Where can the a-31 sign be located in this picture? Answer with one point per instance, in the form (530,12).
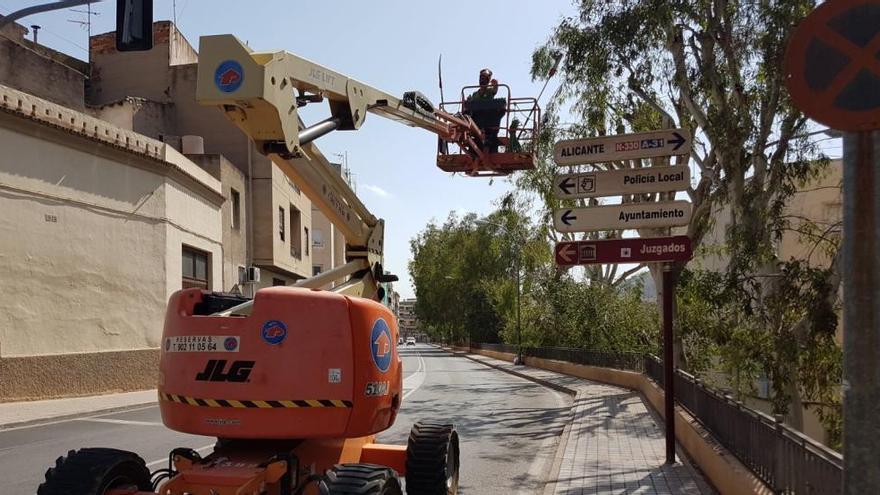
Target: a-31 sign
(667,142)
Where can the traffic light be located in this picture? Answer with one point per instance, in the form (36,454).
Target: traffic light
(134,25)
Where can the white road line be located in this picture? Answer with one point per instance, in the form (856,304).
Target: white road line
(414,381)
(120,421)
(68,420)
(165,459)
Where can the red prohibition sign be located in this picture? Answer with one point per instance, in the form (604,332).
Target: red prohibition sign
(832,65)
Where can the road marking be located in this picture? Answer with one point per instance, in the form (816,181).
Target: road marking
(120,421)
(415,380)
(165,459)
(69,419)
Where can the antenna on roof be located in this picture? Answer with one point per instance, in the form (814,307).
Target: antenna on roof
(88,22)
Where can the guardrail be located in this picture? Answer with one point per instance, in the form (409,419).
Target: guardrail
(785,459)
(631,361)
(508,348)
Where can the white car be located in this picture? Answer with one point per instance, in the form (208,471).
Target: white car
(410,341)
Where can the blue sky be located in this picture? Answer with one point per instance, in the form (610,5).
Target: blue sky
(390,44)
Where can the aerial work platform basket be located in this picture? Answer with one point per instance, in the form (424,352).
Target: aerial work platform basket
(500,138)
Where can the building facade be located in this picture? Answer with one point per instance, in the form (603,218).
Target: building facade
(117,189)
(407,320)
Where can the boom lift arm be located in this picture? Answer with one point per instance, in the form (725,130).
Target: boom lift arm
(261,91)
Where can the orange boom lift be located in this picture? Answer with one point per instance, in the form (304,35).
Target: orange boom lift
(296,382)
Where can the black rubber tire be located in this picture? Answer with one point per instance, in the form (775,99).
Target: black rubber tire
(359,479)
(432,459)
(93,471)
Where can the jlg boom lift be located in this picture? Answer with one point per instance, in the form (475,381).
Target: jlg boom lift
(296,382)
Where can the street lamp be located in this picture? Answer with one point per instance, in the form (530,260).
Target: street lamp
(517,264)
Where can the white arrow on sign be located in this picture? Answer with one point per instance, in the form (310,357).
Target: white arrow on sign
(623,217)
(568,253)
(651,144)
(623,181)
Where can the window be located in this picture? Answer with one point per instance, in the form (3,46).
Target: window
(306,230)
(317,238)
(281,223)
(317,269)
(236,209)
(196,266)
(295,229)
(276,282)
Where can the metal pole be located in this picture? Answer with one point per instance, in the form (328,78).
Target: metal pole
(861,303)
(519,358)
(45,7)
(668,364)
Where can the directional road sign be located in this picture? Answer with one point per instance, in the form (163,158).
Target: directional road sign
(667,142)
(832,65)
(622,217)
(635,250)
(623,181)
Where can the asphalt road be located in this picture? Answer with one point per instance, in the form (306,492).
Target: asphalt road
(508,427)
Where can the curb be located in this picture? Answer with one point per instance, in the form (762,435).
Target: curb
(67,417)
(544,383)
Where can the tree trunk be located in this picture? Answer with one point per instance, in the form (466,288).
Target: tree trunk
(678,356)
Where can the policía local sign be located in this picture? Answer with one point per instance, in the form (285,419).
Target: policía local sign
(623,181)
(636,250)
(622,217)
(667,142)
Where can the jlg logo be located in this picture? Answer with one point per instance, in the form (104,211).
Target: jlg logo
(239,371)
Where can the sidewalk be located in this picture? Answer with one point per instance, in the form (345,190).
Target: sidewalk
(23,413)
(615,444)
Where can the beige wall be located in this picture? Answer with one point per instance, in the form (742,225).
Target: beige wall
(91,240)
(273,190)
(234,239)
(331,253)
(27,70)
(821,202)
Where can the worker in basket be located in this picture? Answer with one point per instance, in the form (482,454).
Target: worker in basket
(486,110)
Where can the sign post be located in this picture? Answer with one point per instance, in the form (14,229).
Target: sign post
(623,217)
(668,367)
(833,75)
(622,181)
(668,142)
(629,216)
(630,250)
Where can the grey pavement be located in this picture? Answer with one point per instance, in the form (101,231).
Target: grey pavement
(615,443)
(509,427)
(14,414)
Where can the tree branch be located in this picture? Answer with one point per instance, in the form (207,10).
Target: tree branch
(625,275)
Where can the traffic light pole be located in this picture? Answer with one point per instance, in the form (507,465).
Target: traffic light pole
(861,303)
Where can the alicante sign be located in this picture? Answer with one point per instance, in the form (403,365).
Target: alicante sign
(667,142)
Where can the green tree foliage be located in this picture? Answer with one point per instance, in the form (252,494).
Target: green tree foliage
(714,67)
(465,275)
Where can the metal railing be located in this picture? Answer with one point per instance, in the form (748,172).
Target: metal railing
(508,348)
(785,459)
(630,361)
